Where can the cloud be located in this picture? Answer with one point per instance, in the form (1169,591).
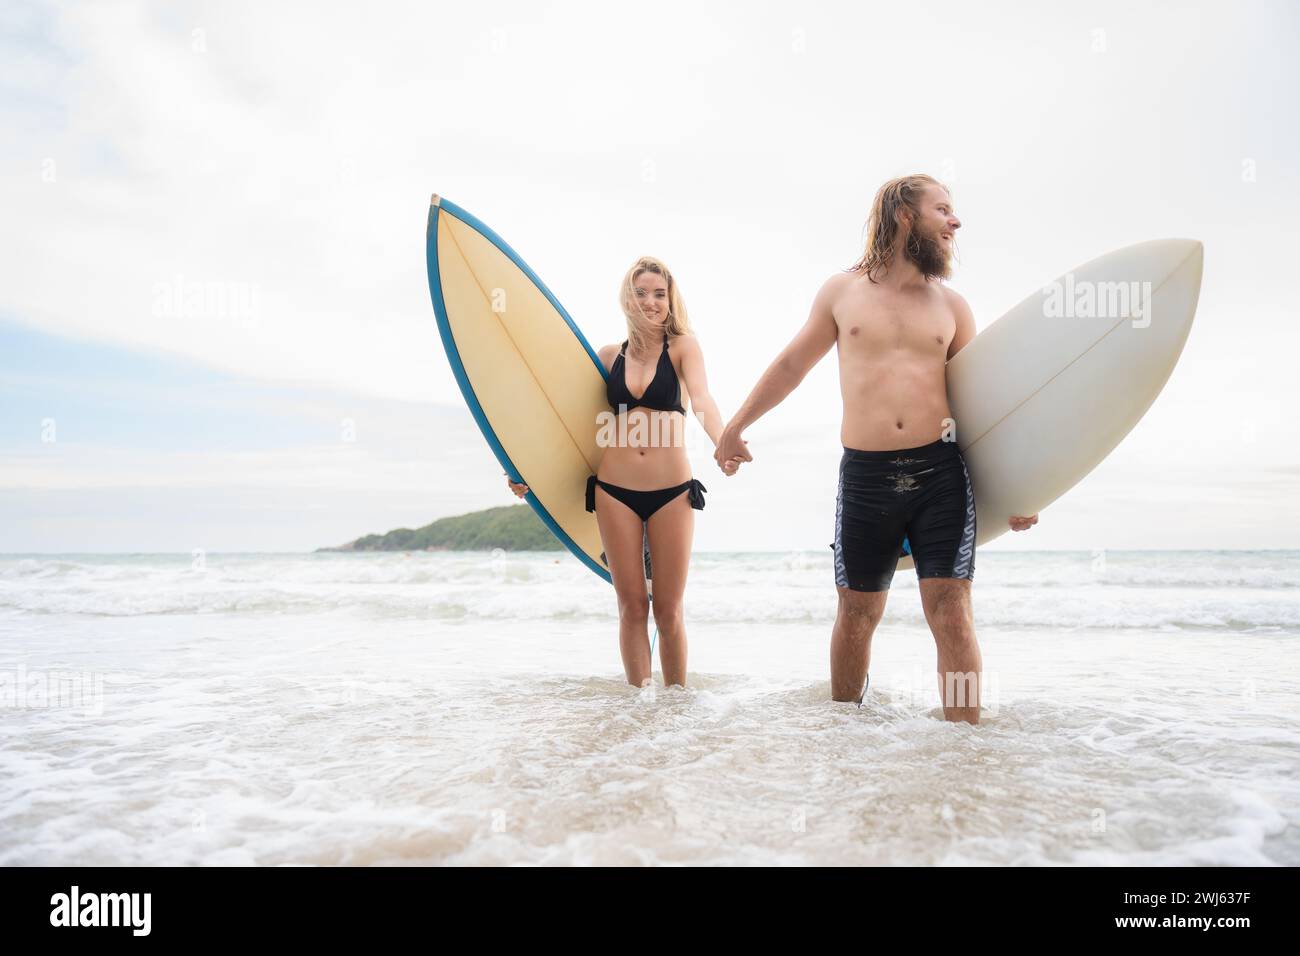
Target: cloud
(273,164)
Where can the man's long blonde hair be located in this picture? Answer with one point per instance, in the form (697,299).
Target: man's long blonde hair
(883,224)
(639,333)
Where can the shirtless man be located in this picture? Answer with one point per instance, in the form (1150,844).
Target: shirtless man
(902,477)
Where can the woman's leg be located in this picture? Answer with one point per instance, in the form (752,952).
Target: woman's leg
(621,535)
(671,529)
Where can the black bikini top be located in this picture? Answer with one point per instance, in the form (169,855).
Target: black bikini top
(663,394)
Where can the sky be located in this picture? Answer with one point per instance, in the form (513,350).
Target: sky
(215,328)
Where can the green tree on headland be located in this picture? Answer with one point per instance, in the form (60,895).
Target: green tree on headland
(510,527)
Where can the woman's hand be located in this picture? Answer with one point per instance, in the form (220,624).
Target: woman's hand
(1023,522)
(729,468)
(518,488)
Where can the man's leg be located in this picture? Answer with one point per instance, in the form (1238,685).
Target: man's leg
(942,536)
(855,621)
(947,607)
(869,528)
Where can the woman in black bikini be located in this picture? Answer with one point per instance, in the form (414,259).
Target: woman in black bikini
(644,483)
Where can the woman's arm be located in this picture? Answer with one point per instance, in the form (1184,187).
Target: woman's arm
(697,384)
(702,403)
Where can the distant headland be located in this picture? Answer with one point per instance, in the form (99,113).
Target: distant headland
(510,528)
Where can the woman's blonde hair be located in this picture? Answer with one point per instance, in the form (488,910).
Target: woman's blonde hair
(638,332)
(883,224)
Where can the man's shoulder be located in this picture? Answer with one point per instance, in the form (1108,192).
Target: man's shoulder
(840,280)
(951,294)
(835,286)
(831,294)
(961,314)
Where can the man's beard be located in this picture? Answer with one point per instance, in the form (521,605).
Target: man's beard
(928,255)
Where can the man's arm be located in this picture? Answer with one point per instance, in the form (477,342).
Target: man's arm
(805,350)
(965,323)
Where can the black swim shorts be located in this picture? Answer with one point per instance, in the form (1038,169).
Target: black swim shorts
(914,501)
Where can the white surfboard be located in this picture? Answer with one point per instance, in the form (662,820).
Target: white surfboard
(1046,392)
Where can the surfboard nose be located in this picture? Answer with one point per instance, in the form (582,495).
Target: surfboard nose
(1184,268)
(1197,254)
(1184,249)
(1155,261)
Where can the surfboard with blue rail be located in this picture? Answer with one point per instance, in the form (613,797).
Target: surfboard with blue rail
(528,375)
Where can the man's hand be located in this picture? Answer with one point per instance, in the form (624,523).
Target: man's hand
(731,448)
(1021,523)
(519,489)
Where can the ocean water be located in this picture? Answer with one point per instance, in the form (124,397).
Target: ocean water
(457,708)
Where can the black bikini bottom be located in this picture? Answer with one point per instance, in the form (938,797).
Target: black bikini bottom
(646,503)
